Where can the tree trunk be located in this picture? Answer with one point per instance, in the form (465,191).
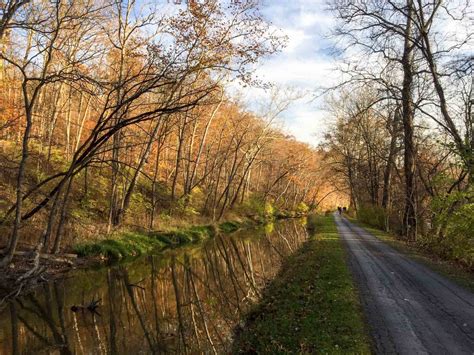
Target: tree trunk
(408,113)
(143,159)
(20,179)
(387,176)
(180,141)
(59,232)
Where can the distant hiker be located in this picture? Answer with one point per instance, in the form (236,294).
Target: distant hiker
(344,209)
(339,210)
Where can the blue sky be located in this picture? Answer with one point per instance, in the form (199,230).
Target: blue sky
(305,64)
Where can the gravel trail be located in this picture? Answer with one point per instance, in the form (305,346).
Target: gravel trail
(410,308)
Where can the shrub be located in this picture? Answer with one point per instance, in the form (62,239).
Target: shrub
(453,233)
(460,235)
(256,207)
(373,215)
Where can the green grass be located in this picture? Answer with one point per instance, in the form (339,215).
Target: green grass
(127,245)
(312,306)
(133,244)
(449,269)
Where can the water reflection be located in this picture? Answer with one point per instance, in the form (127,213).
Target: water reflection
(183,301)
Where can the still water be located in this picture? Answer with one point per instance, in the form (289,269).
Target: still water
(182,301)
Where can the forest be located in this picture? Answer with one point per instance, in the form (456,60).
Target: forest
(116,115)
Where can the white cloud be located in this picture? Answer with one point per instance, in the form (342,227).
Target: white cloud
(295,39)
(306,123)
(309,73)
(303,65)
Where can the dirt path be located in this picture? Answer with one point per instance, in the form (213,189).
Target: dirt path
(410,308)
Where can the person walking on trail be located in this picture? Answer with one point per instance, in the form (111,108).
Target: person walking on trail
(339,210)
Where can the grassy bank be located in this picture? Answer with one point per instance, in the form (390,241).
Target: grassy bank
(130,244)
(450,269)
(312,305)
(136,243)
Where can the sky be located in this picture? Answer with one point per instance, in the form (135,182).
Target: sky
(305,65)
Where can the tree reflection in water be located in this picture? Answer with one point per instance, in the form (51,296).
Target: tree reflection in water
(181,301)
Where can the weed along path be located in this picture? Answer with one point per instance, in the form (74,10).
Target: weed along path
(410,308)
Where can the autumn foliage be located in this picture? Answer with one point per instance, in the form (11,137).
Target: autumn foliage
(116,113)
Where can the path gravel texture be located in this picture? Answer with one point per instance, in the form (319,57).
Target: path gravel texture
(410,308)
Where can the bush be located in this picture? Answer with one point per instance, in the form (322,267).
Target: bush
(456,240)
(191,204)
(373,215)
(460,235)
(256,207)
